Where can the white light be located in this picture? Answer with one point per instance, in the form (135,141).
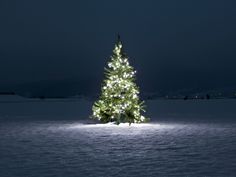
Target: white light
(142,118)
(111,129)
(112,125)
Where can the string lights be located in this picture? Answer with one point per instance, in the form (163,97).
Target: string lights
(119,100)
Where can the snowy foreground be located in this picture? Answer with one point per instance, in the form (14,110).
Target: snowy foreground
(55,138)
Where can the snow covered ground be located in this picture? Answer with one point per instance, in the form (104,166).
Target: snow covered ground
(42,138)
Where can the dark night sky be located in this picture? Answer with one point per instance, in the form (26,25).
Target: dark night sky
(172,44)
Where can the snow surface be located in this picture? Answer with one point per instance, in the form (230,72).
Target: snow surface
(42,138)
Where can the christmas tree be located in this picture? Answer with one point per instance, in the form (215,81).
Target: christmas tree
(119,101)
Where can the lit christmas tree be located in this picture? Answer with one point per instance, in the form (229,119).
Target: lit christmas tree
(119,101)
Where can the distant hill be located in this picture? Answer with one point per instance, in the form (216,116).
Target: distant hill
(91,90)
(55,89)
